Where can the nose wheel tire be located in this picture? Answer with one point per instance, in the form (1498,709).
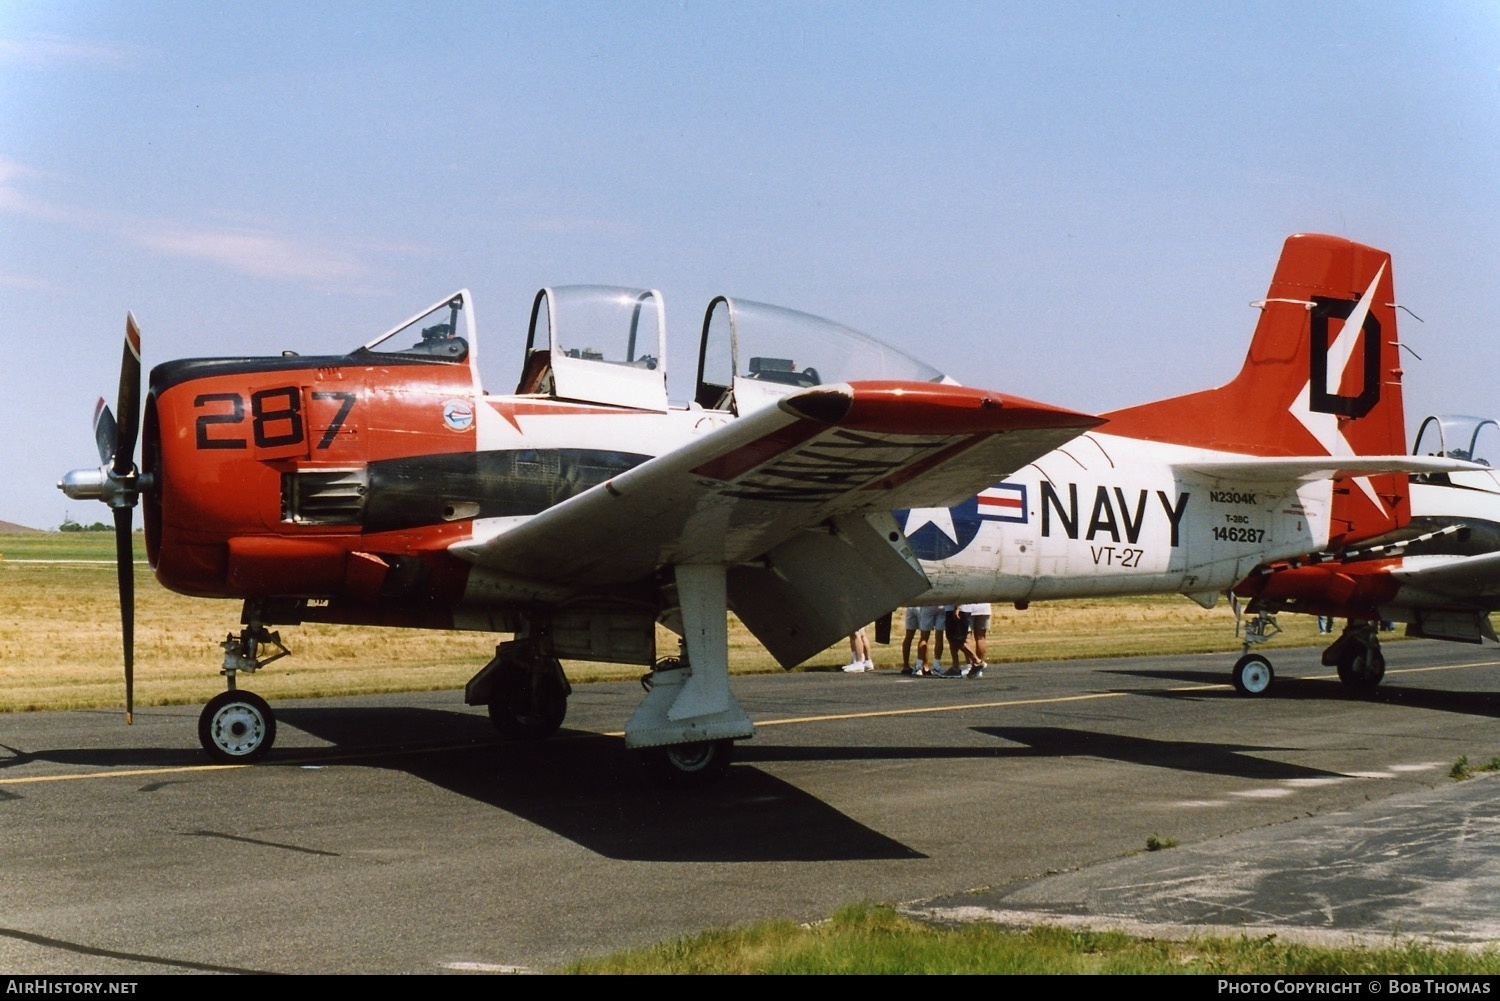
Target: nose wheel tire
(237,727)
(1252,674)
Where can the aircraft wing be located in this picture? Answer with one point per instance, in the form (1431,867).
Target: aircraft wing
(793,498)
(1283,469)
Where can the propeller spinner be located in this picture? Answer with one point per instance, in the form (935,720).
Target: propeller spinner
(119,483)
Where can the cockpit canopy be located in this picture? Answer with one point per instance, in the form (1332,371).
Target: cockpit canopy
(597,344)
(604,344)
(751,354)
(443,331)
(1456,436)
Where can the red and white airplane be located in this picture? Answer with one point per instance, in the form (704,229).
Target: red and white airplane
(1301,451)
(386,487)
(1440,574)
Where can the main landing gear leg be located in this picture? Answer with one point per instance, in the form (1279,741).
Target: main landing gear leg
(238,727)
(525,688)
(1252,673)
(688,722)
(1357,656)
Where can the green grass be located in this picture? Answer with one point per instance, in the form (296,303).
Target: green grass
(60,647)
(873,939)
(64,546)
(1463,770)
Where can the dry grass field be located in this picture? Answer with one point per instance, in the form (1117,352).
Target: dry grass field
(60,644)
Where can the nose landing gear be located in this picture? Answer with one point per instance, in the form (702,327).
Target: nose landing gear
(1252,673)
(238,727)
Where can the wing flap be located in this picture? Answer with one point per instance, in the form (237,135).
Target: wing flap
(798,599)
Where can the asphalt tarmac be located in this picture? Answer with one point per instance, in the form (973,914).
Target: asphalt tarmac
(396,834)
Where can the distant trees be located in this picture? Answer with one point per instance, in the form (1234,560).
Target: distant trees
(69,525)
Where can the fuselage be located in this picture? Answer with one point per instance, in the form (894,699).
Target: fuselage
(1114,515)
(298,477)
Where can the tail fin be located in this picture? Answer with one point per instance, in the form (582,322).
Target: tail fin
(1323,377)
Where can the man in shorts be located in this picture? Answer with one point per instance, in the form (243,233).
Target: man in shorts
(921,620)
(979,627)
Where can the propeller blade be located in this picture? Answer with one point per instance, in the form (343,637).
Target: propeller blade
(125,570)
(105,432)
(129,399)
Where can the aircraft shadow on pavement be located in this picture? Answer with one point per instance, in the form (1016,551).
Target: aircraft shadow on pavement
(1236,760)
(840,752)
(1468,703)
(582,786)
(1391,691)
(1200,676)
(589,789)
(104,757)
(1216,685)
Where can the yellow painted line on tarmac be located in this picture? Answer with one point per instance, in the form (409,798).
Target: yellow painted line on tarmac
(318,760)
(1438,667)
(786,721)
(923,710)
(1055,700)
(874,714)
(131,774)
(281,763)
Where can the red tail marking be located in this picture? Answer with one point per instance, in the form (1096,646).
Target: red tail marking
(1290,397)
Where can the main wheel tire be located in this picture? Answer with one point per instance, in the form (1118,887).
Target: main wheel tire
(527,707)
(692,765)
(1253,674)
(1362,671)
(237,727)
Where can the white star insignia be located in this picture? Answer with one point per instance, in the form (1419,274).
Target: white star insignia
(938,516)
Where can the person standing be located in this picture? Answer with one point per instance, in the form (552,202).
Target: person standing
(906,641)
(979,628)
(956,631)
(929,618)
(859,653)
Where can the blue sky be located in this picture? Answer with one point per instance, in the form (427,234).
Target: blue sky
(1072,202)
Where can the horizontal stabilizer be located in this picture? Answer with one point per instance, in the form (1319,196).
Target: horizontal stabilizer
(1323,467)
(1465,579)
